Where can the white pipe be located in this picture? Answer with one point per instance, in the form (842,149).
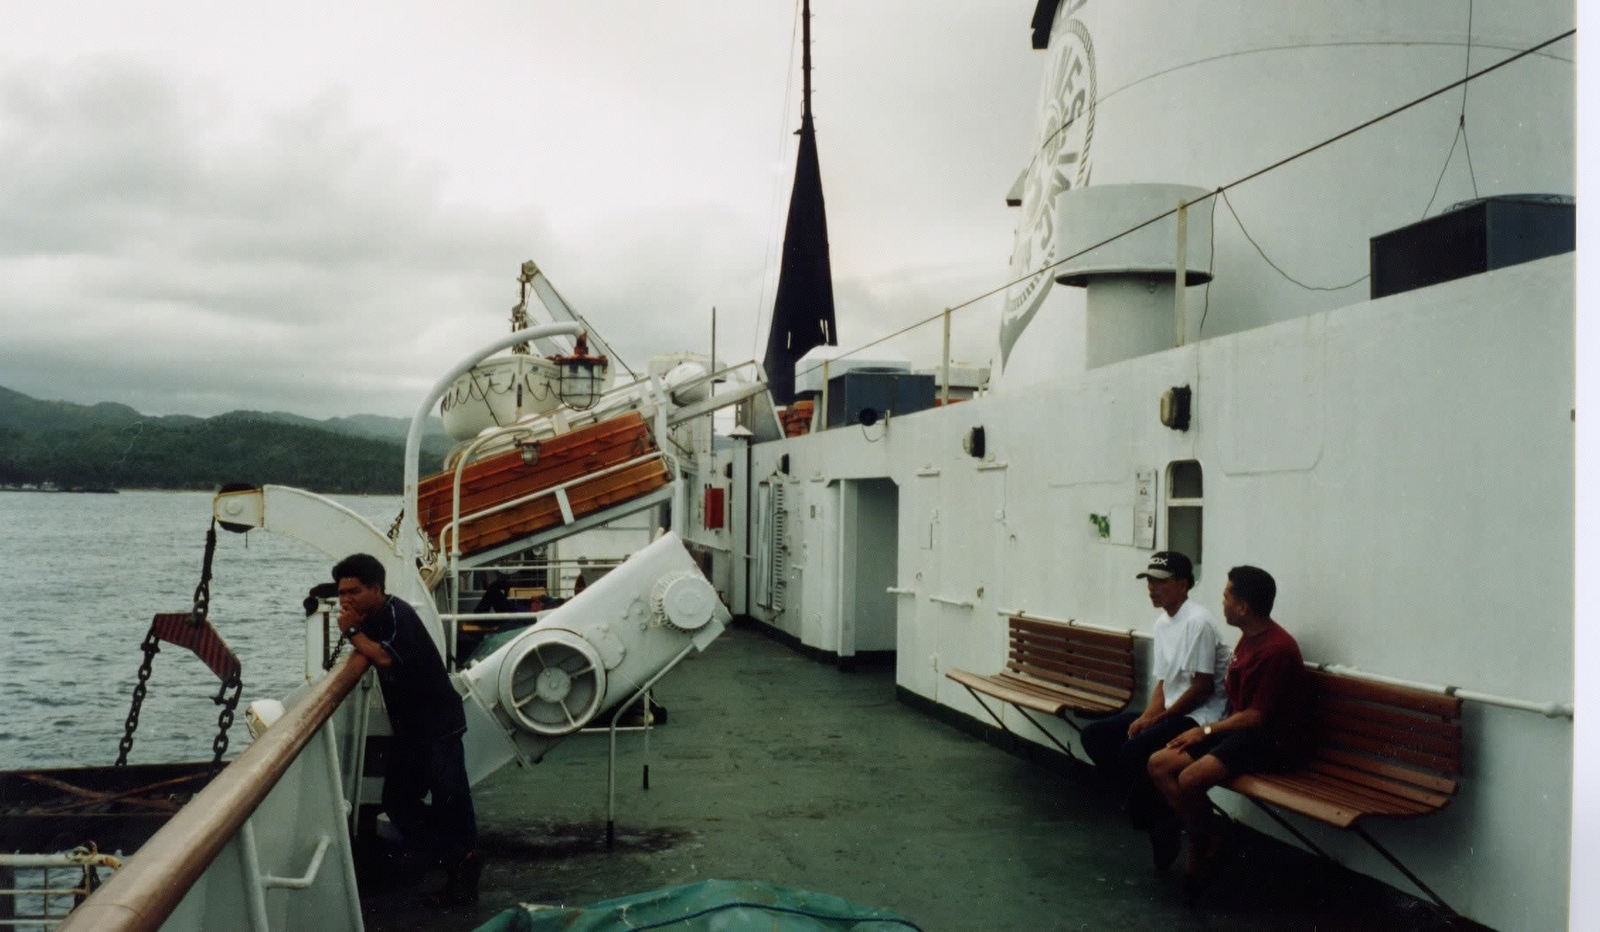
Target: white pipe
(958,603)
(409,528)
(250,866)
(1180,323)
(1547,709)
(944,390)
(305,880)
(347,857)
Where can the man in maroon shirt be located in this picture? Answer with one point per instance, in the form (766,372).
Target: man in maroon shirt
(1262,729)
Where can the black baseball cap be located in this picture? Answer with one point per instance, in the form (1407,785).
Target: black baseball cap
(1166,564)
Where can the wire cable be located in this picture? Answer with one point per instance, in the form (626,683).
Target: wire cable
(1229,204)
(1473,176)
(1211,268)
(773,236)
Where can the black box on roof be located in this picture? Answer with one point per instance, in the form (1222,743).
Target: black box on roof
(874,392)
(1476,236)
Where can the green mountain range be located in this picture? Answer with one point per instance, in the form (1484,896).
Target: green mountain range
(109,445)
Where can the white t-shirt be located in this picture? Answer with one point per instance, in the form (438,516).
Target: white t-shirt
(1187,643)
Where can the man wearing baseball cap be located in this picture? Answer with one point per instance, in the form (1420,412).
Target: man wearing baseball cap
(1264,728)
(1187,666)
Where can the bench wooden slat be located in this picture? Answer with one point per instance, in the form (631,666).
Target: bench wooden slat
(1307,792)
(1380,789)
(1446,763)
(1333,802)
(1073,686)
(1109,645)
(1419,778)
(1270,789)
(1336,707)
(1069,650)
(1056,668)
(1084,702)
(1353,797)
(1042,664)
(1416,700)
(1051,701)
(1075,633)
(1394,741)
(1006,692)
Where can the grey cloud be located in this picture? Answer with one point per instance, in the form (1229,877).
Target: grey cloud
(183,254)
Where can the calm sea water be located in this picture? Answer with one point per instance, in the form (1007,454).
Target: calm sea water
(81,576)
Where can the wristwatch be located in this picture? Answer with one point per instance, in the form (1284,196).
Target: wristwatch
(1206,731)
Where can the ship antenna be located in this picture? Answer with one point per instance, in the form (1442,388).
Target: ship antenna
(805,65)
(802,308)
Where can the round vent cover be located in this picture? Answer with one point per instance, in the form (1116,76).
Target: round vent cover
(683,600)
(553,682)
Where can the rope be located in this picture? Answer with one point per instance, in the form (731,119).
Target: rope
(1252,240)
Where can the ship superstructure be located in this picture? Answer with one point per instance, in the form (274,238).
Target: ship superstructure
(1291,287)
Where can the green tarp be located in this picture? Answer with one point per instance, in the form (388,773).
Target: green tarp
(707,906)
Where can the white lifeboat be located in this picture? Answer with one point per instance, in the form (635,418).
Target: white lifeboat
(503,390)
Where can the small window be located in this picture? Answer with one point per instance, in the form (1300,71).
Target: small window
(1184,510)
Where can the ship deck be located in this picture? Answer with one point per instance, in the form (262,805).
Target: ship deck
(772,766)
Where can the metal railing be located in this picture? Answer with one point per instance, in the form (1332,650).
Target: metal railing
(143,894)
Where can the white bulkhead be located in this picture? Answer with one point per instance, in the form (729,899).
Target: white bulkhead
(1402,465)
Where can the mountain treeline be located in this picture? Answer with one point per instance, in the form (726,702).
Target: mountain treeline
(112,446)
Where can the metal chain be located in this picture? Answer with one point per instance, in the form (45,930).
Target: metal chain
(202,592)
(338,648)
(394,529)
(151,646)
(225,719)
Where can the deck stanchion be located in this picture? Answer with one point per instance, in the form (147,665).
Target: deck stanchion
(944,389)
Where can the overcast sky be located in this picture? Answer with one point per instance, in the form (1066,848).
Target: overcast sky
(321,207)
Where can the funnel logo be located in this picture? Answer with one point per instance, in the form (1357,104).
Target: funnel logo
(1060,163)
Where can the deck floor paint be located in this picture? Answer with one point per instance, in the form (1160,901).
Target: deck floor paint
(775,767)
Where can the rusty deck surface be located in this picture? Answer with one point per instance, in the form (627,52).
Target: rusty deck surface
(776,767)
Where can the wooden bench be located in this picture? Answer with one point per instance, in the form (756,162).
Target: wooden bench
(1057,669)
(1378,750)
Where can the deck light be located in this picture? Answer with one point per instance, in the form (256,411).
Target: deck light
(582,376)
(973,443)
(1175,407)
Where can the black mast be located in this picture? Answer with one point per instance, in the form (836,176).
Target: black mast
(802,310)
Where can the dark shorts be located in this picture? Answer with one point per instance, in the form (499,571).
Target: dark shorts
(1249,751)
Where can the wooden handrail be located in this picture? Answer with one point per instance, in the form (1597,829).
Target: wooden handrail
(151,884)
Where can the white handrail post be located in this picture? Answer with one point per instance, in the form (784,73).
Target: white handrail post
(821,418)
(944,391)
(1180,322)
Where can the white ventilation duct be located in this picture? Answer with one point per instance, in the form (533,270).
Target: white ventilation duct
(1130,307)
(590,655)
